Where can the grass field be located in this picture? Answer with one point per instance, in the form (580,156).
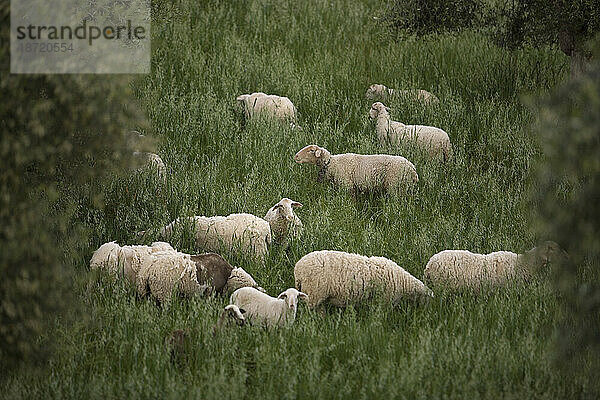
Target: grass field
(322,55)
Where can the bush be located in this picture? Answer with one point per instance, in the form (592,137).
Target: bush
(421,17)
(566,197)
(59,133)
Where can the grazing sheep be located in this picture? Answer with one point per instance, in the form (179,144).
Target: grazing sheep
(434,140)
(214,271)
(342,279)
(169,272)
(272,106)
(263,309)
(230,314)
(239,279)
(380,92)
(152,161)
(360,172)
(284,223)
(245,233)
(125,260)
(461,269)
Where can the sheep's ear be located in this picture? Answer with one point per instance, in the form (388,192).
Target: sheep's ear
(295,204)
(303,296)
(283,295)
(318,153)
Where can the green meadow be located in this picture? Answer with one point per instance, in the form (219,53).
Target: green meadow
(322,55)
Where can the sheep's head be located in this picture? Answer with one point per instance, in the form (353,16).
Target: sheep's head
(161,246)
(312,154)
(284,208)
(538,258)
(375,91)
(378,109)
(105,256)
(291,296)
(239,279)
(235,313)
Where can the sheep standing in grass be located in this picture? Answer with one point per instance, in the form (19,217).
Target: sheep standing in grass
(461,269)
(273,106)
(284,223)
(433,140)
(360,172)
(169,272)
(380,92)
(245,233)
(262,309)
(125,260)
(342,279)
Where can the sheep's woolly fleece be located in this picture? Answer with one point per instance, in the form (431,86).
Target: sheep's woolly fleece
(262,309)
(268,105)
(285,224)
(381,92)
(239,279)
(125,260)
(169,272)
(244,233)
(434,140)
(357,171)
(341,279)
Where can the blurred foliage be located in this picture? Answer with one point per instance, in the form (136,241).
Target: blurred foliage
(512,23)
(567,199)
(59,134)
(421,17)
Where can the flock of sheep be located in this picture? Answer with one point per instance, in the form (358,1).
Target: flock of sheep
(321,277)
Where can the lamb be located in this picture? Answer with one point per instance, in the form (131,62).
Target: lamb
(342,279)
(126,260)
(262,309)
(360,172)
(461,269)
(284,223)
(434,140)
(244,233)
(214,271)
(169,272)
(230,314)
(272,106)
(380,92)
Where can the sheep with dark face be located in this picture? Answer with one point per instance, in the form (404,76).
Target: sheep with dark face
(285,225)
(360,172)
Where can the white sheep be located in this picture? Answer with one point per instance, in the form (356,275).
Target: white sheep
(239,279)
(284,223)
(342,279)
(169,272)
(262,309)
(434,140)
(381,92)
(360,172)
(461,269)
(152,161)
(272,106)
(245,233)
(125,260)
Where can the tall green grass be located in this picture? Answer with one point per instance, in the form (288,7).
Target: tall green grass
(322,55)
